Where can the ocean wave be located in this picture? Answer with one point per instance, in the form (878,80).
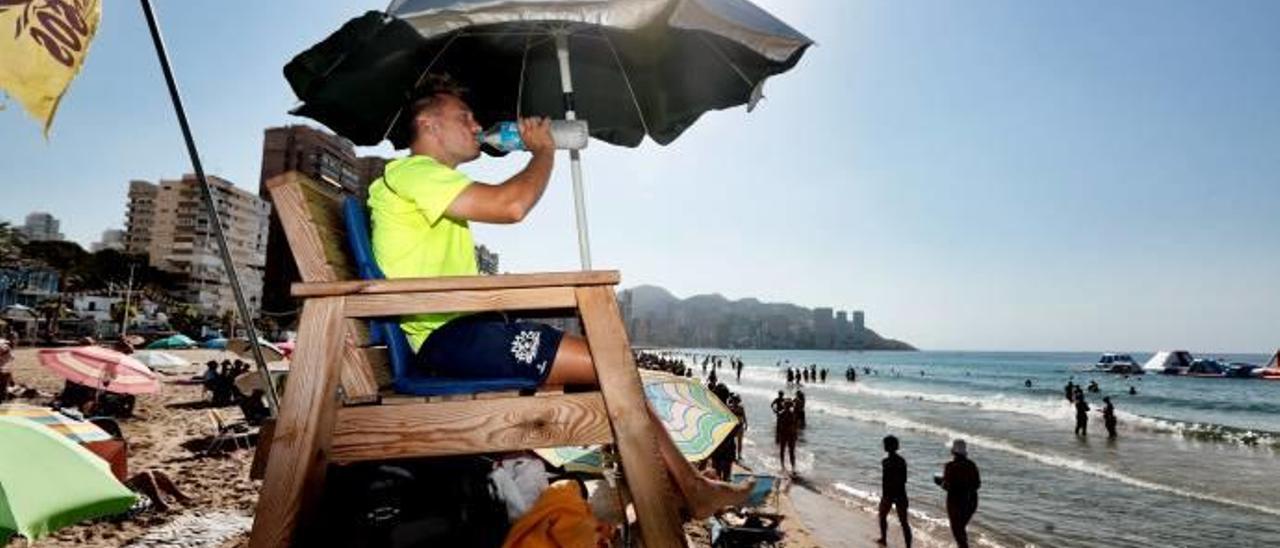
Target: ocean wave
(1056,461)
(1055,409)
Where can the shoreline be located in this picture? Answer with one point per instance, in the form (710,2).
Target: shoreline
(168,424)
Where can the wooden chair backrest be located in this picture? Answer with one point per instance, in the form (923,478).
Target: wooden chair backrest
(311,213)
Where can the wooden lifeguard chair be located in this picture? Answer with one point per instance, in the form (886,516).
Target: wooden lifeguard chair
(337,409)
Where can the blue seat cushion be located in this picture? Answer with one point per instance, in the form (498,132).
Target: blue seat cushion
(406,378)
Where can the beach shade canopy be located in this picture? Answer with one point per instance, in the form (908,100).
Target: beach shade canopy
(694,417)
(218,343)
(587,459)
(156,359)
(178,341)
(270,352)
(639,67)
(249,381)
(48,482)
(75,430)
(100,368)
(629,68)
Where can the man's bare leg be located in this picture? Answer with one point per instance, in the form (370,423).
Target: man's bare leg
(167,485)
(702,496)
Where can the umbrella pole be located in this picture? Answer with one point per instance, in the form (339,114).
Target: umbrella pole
(575,159)
(227,264)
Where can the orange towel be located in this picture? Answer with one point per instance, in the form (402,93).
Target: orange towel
(560,519)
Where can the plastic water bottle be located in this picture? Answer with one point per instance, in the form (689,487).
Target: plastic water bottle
(567,134)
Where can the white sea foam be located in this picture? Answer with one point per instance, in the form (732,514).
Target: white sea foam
(1053,409)
(1057,461)
(870,501)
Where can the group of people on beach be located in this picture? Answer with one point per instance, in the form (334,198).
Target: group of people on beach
(789,421)
(1075,395)
(728,452)
(802,375)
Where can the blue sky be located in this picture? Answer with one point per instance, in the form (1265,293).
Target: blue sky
(974,175)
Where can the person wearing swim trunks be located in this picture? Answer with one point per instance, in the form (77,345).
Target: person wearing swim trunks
(421,210)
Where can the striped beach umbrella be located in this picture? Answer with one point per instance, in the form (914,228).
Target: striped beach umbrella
(587,458)
(242,348)
(696,419)
(75,430)
(98,367)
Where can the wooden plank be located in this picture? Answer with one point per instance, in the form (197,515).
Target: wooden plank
(379,359)
(453,283)
(360,330)
(301,441)
(305,243)
(391,398)
(365,306)
(469,427)
(360,379)
(633,428)
(262,451)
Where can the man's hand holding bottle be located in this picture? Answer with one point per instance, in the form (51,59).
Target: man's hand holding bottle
(536,134)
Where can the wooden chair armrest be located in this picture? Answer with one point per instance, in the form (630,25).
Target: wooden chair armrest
(456,283)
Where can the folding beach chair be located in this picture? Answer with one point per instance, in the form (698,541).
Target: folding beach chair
(236,433)
(756,523)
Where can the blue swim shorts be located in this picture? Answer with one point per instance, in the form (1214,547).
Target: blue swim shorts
(489,345)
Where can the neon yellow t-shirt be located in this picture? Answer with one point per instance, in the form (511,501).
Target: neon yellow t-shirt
(412,237)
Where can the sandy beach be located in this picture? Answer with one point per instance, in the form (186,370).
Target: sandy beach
(167,432)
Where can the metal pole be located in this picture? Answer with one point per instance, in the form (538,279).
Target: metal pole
(128,292)
(575,160)
(272,400)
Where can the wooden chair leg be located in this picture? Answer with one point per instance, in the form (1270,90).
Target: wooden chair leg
(646,477)
(300,445)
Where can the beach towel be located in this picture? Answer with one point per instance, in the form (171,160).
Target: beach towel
(560,518)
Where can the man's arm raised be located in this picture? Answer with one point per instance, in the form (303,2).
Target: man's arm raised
(510,201)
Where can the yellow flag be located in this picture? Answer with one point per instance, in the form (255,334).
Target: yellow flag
(42,46)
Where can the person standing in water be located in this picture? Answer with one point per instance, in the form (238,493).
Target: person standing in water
(786,434)
(799,410)
(1082,415)
(893,491)
(961,481)
(1109,417)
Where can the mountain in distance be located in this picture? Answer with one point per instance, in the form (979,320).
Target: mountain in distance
(655,317)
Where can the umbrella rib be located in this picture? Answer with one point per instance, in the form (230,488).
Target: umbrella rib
(422,76)
(726,59)
(524,63)
(635,101)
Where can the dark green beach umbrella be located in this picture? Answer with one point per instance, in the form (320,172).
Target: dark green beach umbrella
(630,68)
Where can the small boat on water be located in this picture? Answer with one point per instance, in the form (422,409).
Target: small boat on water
(1219,369)
(1169,362)
(1272,370)
(1117,363)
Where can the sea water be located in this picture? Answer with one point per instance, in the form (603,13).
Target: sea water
(1196,462)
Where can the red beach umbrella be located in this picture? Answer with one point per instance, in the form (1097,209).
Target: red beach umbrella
(98,367)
